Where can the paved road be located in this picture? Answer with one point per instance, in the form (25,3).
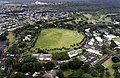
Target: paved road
(102,60)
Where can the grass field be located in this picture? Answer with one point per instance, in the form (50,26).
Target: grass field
(108,64)
(117,39)
(99,18)
(57,38)
(11,37)
(67,73)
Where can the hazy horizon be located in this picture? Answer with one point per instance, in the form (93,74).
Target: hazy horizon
(56,0)
(106,2)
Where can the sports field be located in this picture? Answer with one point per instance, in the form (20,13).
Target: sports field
(57,38)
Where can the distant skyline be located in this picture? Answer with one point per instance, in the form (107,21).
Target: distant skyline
(55,0)
(29,1)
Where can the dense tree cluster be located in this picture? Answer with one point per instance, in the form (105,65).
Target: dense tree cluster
(18,75)
(115,59)
(61,56)
(3,37)
(113,44)
(49,65)
(64,66)
(76,74)
(75,64)
(60,74)
(116,67)
(83,70)
(3,73)
(22,44)
(31,30)
(105,49)
(30,64)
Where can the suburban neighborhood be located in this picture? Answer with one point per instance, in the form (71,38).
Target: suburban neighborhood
(45,40)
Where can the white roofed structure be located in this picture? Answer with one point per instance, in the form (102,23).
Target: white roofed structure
(43,57)
(94,51)
(99,39)
(74,53)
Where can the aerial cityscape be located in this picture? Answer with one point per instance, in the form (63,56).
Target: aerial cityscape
(59,38)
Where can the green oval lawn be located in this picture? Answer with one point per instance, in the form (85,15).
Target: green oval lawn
(57,38)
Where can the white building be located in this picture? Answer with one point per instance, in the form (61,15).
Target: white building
(116,23)
(36,74)
(27,38)
(118,43)
(74,53)
(94,51)
(83,58)
(40,3)
(110,36)
(99,39)
(43,57)
(91,42)
(87,30)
